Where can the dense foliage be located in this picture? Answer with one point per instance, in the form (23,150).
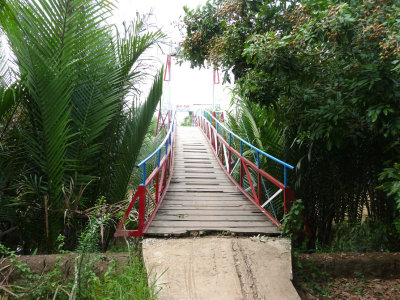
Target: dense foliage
(69,135)
(330,71)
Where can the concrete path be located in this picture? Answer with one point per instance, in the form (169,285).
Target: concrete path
(220,268)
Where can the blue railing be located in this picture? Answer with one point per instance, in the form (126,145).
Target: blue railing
(165,143)
(210,117)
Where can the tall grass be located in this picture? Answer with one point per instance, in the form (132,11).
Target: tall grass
(118,282)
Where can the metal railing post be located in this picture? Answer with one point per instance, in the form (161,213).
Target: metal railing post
(259,188)
(144,173)
(142,207)
(230,154)
(284,176)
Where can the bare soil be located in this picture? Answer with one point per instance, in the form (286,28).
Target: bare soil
(348,276)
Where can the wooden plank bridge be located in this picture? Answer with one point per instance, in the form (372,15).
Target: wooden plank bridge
(201,197)
(198,179)
(207,179)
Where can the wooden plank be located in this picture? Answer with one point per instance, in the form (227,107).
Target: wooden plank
(199,180)
(208,199)
(210,189)
(203,184)
(205,202)
(195,167)
(217,204)
(200,183)
(212,223)
(188,217)
(189,169)
(214,207)
(201,196)
(194,163)
(189,159)
(207,195)
(210,212)
(197,173)
(252,230)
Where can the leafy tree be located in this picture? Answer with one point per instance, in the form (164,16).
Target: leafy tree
(70,135)
(332,69)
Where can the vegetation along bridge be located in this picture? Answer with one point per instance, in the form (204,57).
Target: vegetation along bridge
(199,179)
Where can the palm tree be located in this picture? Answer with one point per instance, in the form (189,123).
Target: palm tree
(259,126)
(78,137)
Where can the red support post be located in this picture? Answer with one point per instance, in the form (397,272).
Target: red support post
(216,142)
(256,199)
(168,69)
(142,207)
(241,172)
(285,208)
(222,153)
(259,187)
(157,187)
(230,161)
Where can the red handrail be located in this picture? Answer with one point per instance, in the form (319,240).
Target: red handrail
(217,143)
(152,191)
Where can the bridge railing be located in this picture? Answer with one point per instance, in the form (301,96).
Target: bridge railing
(272,196)
(156,176)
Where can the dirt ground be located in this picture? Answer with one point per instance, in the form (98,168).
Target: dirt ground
(348,276)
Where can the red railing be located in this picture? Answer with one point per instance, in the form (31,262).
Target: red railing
(151,192)
(162,122)
(270,195)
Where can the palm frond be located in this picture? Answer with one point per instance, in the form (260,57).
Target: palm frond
(134,135)
(49,40)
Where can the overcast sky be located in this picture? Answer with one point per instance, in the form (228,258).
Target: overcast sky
(187,86)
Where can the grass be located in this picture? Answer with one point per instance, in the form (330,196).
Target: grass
(118,282)
(130,283)
(122,282)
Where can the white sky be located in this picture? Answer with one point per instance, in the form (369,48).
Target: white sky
(187,86)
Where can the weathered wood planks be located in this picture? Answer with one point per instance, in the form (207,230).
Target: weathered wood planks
(202,198)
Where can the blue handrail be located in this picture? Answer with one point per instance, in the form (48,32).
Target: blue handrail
(250,145)
(210,117)
(167,141)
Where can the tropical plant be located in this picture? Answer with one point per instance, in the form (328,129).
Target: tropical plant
(83,282)
(260,127)
(330,71)
(75,135)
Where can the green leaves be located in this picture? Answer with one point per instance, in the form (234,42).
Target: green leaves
(329,70)
(134,132)
(391,179)
(74,123)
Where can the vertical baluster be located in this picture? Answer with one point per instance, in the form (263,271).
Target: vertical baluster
(258,179)
(241,164)
(230,154)
(142,207)
(144,174)
(285,206)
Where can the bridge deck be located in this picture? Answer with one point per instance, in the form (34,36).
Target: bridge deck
(201,197)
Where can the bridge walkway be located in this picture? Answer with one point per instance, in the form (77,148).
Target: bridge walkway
(201,197)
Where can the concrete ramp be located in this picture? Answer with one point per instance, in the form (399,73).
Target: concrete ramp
(220,268)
